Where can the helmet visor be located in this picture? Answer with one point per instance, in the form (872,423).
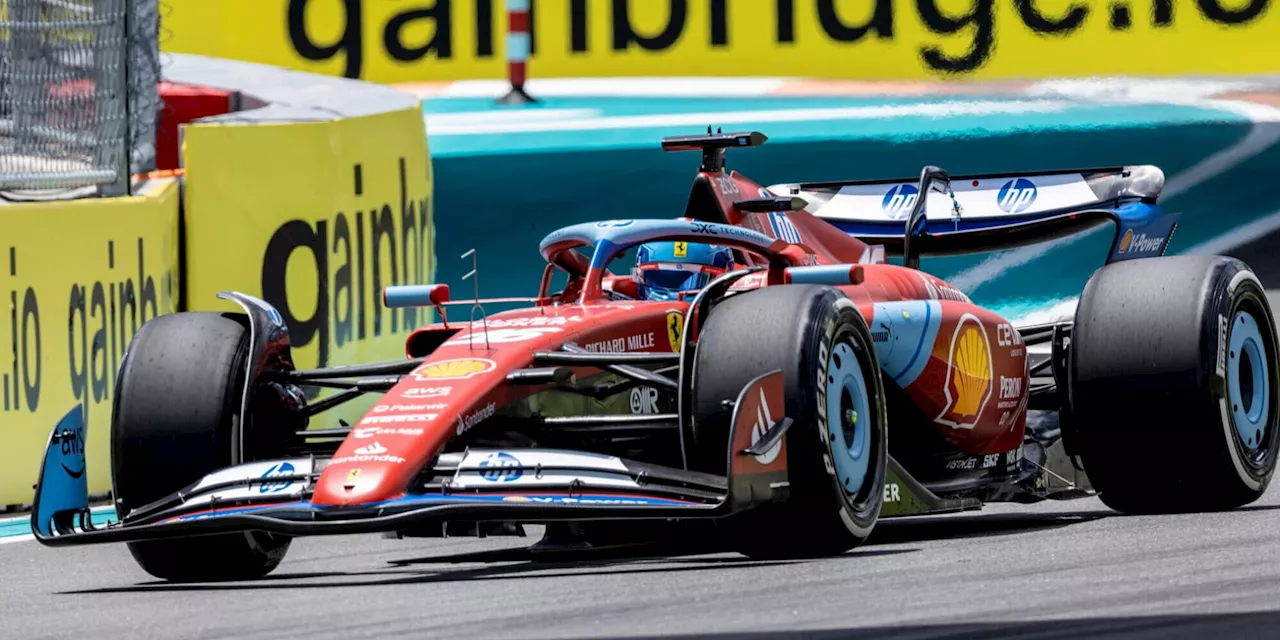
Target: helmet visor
(675,276)
(675,280)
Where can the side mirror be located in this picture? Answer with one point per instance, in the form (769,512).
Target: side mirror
(415,295)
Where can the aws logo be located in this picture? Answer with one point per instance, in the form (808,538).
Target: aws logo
(968,382)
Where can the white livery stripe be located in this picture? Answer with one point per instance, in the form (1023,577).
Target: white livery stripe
(991,198)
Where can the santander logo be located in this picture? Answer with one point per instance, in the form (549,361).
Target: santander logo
(371,450)
(363,433)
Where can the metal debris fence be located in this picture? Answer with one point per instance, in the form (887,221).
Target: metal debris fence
(78,94)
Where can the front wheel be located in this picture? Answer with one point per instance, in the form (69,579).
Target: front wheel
(837,444)
(175,418)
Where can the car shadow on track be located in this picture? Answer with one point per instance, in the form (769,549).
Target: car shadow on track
(929,528)
(401,577)
(655,558)
(1169,627)
(888,532)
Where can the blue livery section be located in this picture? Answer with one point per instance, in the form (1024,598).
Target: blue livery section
(1141,236)
(608,236)
(238,511)
(903,334)
(407,502)
(62,490)
(836,275)
(412,295)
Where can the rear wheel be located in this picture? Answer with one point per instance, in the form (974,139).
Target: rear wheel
(175,418)
(1173,385)
(836,446)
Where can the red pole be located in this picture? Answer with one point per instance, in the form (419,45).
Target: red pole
(518,46)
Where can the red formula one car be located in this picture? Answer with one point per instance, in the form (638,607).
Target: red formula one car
(806,391)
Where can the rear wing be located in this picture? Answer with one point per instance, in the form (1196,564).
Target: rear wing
(979,213)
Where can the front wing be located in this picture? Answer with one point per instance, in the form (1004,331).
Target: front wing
(521,485)
(531,485)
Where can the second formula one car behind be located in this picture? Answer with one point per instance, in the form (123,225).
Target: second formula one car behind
(792,386)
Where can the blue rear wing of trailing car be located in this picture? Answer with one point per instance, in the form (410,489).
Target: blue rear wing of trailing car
(979,213)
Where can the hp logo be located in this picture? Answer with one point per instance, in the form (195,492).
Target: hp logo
(1017,195)
(898,201)
(282,469)
(500,467)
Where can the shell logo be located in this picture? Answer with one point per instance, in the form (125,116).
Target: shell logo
(458,369)
(1126,241)
(968,381)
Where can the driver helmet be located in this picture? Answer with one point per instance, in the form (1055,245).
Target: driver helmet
(664,269)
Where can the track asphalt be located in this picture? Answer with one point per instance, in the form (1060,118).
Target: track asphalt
(1052,570)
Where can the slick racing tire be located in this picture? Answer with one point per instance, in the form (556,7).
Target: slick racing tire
(837,444)
(1173,390)
(175,417)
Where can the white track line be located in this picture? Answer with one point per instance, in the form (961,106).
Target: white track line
(26,537)
(1238,236)
(1057,311)
(26,517)
(1262,136)
(465,118)
(937,110)
(970,279)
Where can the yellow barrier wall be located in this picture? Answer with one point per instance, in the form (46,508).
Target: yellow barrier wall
(82,276)
(316,218)
(428,40)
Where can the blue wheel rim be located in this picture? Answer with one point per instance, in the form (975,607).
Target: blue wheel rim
(1248,381)
(848,417)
